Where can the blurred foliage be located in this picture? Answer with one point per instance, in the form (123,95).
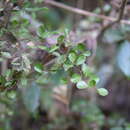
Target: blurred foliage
(41,64)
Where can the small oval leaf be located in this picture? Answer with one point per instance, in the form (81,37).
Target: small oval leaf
(82,85)
(75,78)
(81,59)
(72,57)
(102,91)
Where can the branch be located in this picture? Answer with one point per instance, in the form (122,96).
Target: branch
(83,12)
(124,2)
(122,9)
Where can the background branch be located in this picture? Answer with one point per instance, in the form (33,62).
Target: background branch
(122,9)
(83,12)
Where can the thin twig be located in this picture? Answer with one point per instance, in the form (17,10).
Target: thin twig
(83,12)
(124,2)
(122,9)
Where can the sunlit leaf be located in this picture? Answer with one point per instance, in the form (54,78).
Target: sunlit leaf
(75,78)
(102,91)
(67,65)
(38,67)
(87,53)
(93,81)
(82,85)
(81,47)
(81,59)
(72,57)
(86,70)
(42,32)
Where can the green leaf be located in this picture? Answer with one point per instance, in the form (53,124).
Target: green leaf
(87,53)
(23,81)
(67,65)
(64,80)
(26,63)
(43,48)
(81,47)
(93,81)
(86,70)
(6,54)
(82,85)
(102,91)
(61,39)
(80,60)
(25,22)
(42,32)
(45,9)
(2,80)
(11,95)
(75,78)
(57,54)
(66,32)
(41,29)
(55,67)
(8,73)
(53,48)
(72,57)
(23,32)
(31,97)
(15,22)
(38,67)
(61,59)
